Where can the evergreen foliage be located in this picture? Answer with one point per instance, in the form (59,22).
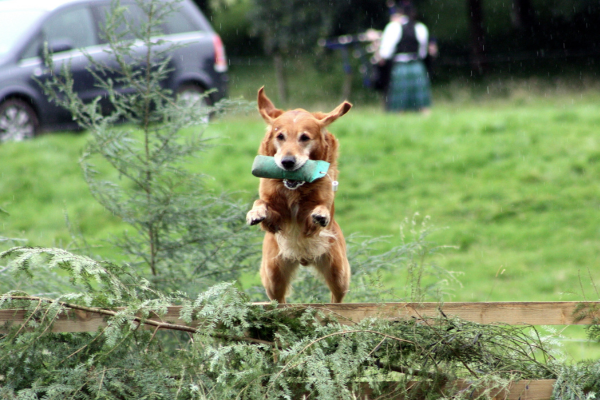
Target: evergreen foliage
(248,352)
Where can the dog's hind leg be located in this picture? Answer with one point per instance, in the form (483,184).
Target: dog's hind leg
(276,272)
(335,268)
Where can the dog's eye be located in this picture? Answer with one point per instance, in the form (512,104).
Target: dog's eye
(280,136)
(304,137)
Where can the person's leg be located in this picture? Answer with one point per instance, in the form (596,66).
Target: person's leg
(422,88)
(398,95)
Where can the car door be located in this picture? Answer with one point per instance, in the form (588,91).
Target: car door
(70,34)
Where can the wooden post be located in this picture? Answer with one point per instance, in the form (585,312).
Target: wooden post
(523,15)
(475,8)
(347,86)
(280,77)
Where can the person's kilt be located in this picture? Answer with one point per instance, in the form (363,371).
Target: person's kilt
(409,87)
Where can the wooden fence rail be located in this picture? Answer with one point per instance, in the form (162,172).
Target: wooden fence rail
(512,313)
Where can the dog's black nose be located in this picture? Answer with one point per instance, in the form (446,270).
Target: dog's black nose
(288,162)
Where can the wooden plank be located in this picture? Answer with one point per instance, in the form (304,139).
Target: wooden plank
(513,313)
(520,390)
(531,390)
(72,321)
(540,389)
(81,321)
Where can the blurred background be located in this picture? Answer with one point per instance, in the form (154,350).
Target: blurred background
(497,39)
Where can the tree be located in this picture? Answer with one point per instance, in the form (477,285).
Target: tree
(182,233)
(523,15)
(477,35)
(288,28)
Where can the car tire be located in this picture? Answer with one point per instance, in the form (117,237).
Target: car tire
(18,121)
(193,93)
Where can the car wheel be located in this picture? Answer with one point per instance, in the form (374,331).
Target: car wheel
(18,121)
(193,95)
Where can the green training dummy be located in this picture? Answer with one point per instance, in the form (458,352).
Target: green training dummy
(265,167)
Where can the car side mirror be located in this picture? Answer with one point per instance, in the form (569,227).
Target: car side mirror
(57,46)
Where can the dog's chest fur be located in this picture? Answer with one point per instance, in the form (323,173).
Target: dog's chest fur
(293,244)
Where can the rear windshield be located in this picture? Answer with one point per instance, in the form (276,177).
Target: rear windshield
(14,24)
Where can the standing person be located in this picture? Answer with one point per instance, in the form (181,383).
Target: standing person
(404,42)
(432,55)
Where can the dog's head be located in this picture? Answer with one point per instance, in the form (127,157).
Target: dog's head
(295,136)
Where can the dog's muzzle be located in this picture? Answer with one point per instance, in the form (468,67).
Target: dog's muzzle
(289,163)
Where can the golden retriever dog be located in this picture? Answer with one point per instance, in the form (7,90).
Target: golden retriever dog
(298,217)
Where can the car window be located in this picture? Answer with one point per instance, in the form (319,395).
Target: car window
(33,48)
(75,25)
(14,24)
(178,22)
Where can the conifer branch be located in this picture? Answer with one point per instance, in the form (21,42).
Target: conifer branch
(287,366)
(139,320)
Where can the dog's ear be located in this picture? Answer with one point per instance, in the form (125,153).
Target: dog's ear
(266,107)
(328,118)
(266,147)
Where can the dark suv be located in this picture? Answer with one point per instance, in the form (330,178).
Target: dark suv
(71,30)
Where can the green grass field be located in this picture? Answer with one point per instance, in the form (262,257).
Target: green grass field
(510,176)
(511,181)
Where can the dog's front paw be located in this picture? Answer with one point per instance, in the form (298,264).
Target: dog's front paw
(256,216)
(322,220)
(321,216)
